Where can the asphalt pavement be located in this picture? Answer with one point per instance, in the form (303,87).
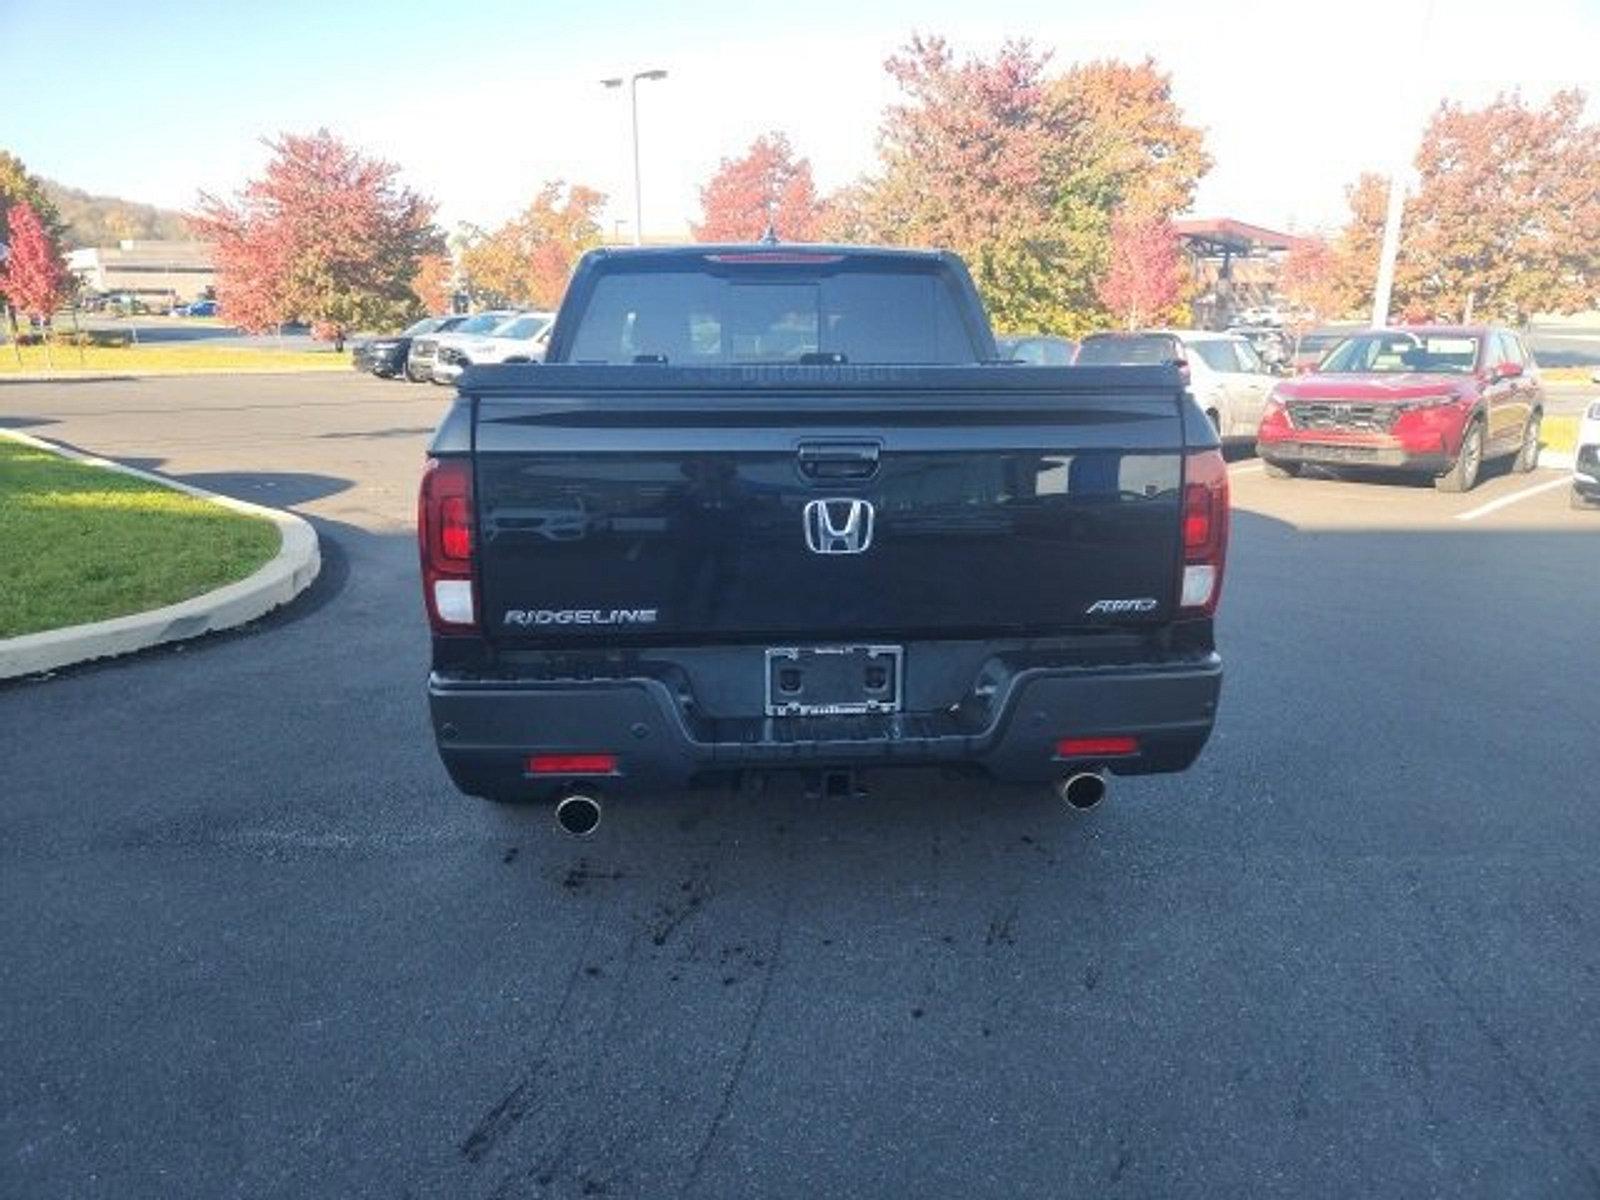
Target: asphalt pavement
(256,946)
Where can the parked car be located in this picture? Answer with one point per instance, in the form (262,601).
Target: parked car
(424,350)
(1311,347)
(1037,349)
(1434,399)
(386,356)
(693,542)
(420,359)
(1228,378)
(1271,343)
(520,339)
(1586,463)
(197,308)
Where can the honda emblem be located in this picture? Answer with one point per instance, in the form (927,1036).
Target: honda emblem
(838,526)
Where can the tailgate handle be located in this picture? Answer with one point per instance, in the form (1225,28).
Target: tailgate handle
(839,460)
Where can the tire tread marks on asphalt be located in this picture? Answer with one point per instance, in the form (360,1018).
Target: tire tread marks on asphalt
(730,1088)
(1512,1062)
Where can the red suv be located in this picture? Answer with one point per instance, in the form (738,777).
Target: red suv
(1436,399)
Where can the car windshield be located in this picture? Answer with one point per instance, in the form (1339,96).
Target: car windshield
(1401,352)
(426,325)
(527,326)
(1316,343)
(881,317)
(1129,350)
(482,323)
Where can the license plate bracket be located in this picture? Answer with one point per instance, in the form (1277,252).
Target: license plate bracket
(830,681)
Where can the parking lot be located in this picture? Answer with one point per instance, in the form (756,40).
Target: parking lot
(258,946)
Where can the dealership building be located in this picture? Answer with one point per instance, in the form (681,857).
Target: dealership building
(154,272)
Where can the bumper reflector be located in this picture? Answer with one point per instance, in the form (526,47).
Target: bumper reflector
(572,764)
(1096,747)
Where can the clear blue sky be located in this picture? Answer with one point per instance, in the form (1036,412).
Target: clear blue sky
(156,99)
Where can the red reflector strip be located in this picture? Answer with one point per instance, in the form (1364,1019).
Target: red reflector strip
(1096,747)
(572,764)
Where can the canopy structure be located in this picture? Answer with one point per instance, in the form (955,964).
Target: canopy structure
(1235,264)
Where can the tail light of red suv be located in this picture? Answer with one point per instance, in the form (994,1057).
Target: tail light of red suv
(446,539)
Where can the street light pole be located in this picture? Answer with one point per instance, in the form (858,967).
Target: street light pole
(633,104)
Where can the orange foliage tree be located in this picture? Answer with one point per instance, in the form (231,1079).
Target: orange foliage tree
(766,181)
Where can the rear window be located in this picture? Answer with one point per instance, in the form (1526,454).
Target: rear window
(693,318)
(1219,356)
(1129,350)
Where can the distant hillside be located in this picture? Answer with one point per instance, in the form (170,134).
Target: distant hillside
(106,220)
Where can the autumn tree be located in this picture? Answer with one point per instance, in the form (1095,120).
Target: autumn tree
(1310,279)
(33,277)
(766,183)
(1022,172)
(1504,221)
(327,235)
(1123,133)
(432,284)
(968,164)
(528,260)
(18,187)
(1144,277)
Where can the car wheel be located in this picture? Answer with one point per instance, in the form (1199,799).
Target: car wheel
(1463,474)
(1528,456)
(1281,470)
(1577,499)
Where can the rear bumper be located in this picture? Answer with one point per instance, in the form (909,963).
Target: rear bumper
(486,729)
(378,362)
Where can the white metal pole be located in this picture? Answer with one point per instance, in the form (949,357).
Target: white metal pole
(1391,249)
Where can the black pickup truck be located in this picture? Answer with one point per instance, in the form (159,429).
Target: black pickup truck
(779,507)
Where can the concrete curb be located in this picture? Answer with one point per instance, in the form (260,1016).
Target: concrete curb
(279,581)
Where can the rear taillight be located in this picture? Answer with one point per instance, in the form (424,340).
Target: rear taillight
(444,535)
(1205,531)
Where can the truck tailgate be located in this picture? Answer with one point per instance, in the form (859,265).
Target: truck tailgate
(624,505)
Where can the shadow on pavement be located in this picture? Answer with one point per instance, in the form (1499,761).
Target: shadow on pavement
(25,422)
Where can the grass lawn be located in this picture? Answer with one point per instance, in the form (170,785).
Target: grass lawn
(135,359)
(1559,433)
(80,543)
(1566,374)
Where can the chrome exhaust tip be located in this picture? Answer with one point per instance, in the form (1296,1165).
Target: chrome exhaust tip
(1082,790)
(578,814)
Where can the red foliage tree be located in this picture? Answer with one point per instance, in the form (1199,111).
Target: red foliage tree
(327,235)
(1143,282)
(736,201)
(1310,280)
(34,278)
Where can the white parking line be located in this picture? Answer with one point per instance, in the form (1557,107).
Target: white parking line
(1244,468)
(1483,510)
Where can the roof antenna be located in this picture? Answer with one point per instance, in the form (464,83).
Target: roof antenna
(770,236)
